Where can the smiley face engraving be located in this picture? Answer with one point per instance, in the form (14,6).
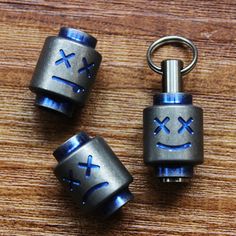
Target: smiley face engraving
(172,134)
(162,126)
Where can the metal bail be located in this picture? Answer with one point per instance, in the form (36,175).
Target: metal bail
(172,76)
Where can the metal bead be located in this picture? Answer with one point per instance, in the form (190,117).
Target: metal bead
(65,71)
(92,173)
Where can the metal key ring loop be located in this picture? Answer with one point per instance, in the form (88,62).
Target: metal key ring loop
(171,39)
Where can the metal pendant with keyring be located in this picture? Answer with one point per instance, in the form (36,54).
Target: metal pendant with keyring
(173,126)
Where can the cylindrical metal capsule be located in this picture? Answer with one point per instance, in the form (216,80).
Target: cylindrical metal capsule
(173,127)
(92,173)
(173,136)
(65,71)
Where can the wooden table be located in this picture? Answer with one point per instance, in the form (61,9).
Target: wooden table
(32,202)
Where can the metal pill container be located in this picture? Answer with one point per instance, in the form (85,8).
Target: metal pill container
(173,126)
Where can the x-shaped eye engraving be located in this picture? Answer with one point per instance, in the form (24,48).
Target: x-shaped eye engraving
(73,183)
(161,125)
(87,67)
(64,58)
(185,125)
(88,166)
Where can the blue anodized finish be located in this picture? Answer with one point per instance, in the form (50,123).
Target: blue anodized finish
(78,36)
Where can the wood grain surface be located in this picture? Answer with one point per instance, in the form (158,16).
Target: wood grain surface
(32,202)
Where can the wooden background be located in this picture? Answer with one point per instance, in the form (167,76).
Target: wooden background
(32,202)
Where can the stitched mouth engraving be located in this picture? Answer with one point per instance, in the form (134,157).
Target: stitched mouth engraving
(172,148)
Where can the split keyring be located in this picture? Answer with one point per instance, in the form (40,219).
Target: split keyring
(167,40)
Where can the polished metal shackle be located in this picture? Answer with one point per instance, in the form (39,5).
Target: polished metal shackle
(173,127)
(65,71)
